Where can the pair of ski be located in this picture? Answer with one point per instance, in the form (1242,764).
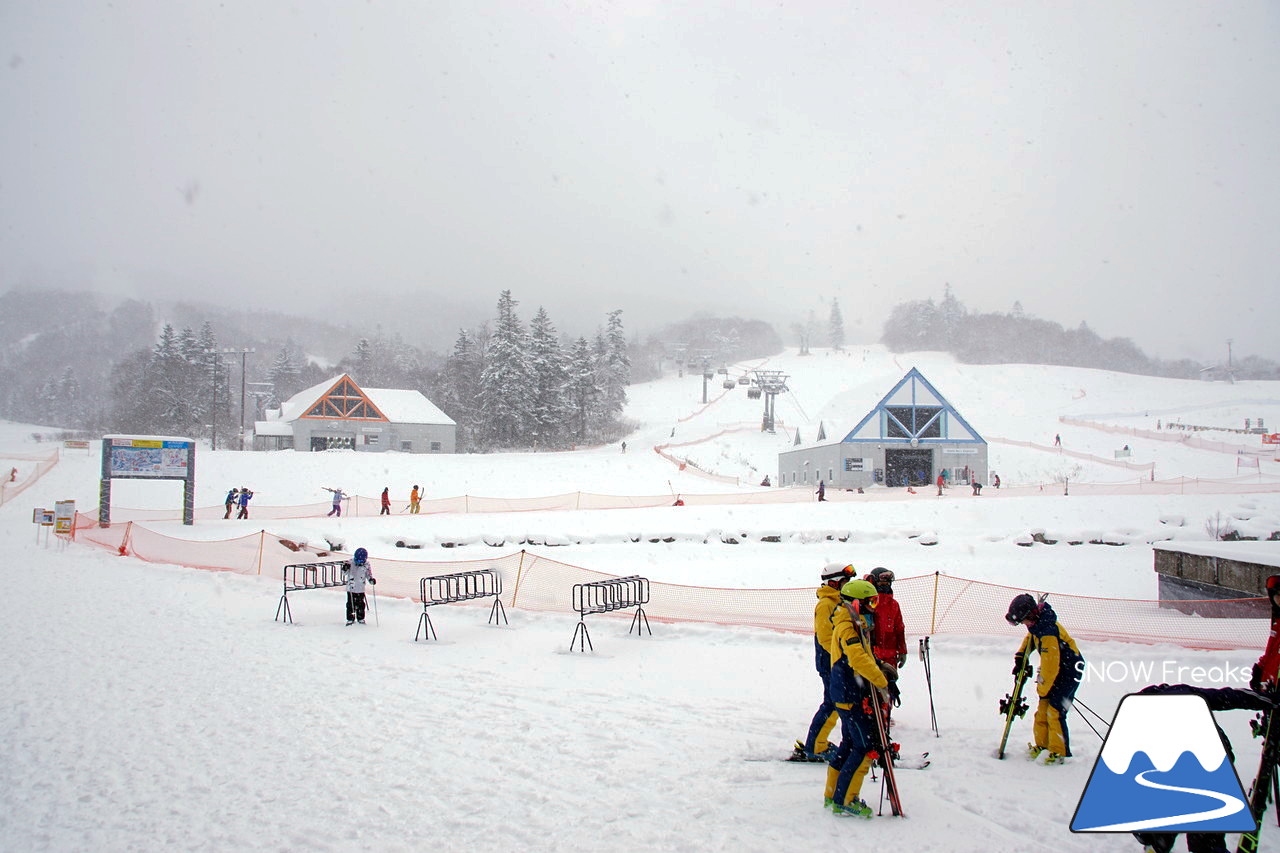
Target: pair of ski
(1265,783)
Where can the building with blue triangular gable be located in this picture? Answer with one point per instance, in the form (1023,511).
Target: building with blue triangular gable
(911,436)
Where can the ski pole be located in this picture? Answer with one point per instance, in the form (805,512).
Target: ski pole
(925,655)
(376,621)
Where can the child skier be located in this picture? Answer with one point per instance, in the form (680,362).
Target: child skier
(338,496)
(1058,679)
(357,572)
(815,746)
(854,672)
(414,497)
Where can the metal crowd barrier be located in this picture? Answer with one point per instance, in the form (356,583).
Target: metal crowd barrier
(605,597)
(456,587)
(303,576)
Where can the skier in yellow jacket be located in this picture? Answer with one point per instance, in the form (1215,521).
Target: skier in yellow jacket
(1061,666)
(855,674)
(815,746)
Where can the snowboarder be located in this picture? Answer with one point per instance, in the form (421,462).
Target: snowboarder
(822,491)
(1267,669)
(386,501)
(415,497)
(231,501)
(853,668)
(1057,680)
(1218,699)
(243,500)
(338,497)
(816,747)
(357,572)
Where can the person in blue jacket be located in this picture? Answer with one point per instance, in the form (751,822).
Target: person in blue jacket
(245,497)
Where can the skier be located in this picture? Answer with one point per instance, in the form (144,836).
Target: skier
(977,488)
(243,500)
(386,501)
(1058,679)
(1267,669)
(941,481)
(995,480)
(13,474)
(624,447)
(765,481)
(1057,440)
(357,572)
(231,501)
(338,496)
(414,498)
(888,634)
(1218,699)
(679,501)
(816,747)
(822,490)
(852,668)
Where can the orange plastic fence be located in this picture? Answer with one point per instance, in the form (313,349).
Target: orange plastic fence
(1173,434)
(360,506)
(931,604)
(1075,454)
(9,491)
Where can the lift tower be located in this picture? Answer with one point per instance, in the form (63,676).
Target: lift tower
(771,384)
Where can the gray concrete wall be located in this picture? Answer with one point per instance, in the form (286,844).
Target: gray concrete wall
(377,438)
(827,462)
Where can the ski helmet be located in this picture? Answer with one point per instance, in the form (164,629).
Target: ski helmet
(1020,608)
(858,589)
(361,556)
(882,578)
(837,571)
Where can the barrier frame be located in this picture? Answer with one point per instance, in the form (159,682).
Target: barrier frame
(458,587)
(607,596)
(304,576)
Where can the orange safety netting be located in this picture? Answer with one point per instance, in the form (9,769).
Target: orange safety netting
(931,604)
(10,490)
(1169,434)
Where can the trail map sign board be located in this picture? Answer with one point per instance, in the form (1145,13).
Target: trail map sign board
(147,457)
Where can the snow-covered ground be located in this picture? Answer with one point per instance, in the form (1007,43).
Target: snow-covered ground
(158,707)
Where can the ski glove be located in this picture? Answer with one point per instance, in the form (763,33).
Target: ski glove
(890,673)
(373,581)
(895,695)
(1018,662)
(1255,679)
(902,659)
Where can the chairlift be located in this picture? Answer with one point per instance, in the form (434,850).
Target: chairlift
(743,380)
(729,383)
(753,393)
(723,370)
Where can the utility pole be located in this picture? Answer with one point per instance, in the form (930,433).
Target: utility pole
(213,408)
(244,354)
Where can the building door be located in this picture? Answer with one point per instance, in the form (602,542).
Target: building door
(912,467)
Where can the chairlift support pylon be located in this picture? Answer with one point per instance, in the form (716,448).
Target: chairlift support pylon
(770,383)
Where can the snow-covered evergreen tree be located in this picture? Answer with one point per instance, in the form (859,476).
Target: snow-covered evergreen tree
(506,385)
(460,383)
(549,364)
(835,327)
(615,370)
(285,372)
(584,392)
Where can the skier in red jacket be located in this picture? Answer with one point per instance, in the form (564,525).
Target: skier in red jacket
(888,636)
(1266,672)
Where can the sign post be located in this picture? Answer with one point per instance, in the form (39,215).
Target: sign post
(64,519)
(148,457)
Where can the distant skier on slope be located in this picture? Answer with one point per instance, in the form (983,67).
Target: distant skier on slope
(1058,679)
(243,500)
(232,496)
(338,497)
(386,501)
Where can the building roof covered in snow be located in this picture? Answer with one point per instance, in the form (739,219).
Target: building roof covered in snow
(340,398)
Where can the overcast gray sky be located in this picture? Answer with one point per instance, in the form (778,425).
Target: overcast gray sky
(1111,161)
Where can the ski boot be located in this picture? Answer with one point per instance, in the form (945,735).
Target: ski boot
(853,808)
(1033,751)
(1052,758)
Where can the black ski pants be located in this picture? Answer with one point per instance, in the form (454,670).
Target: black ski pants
(355,606)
